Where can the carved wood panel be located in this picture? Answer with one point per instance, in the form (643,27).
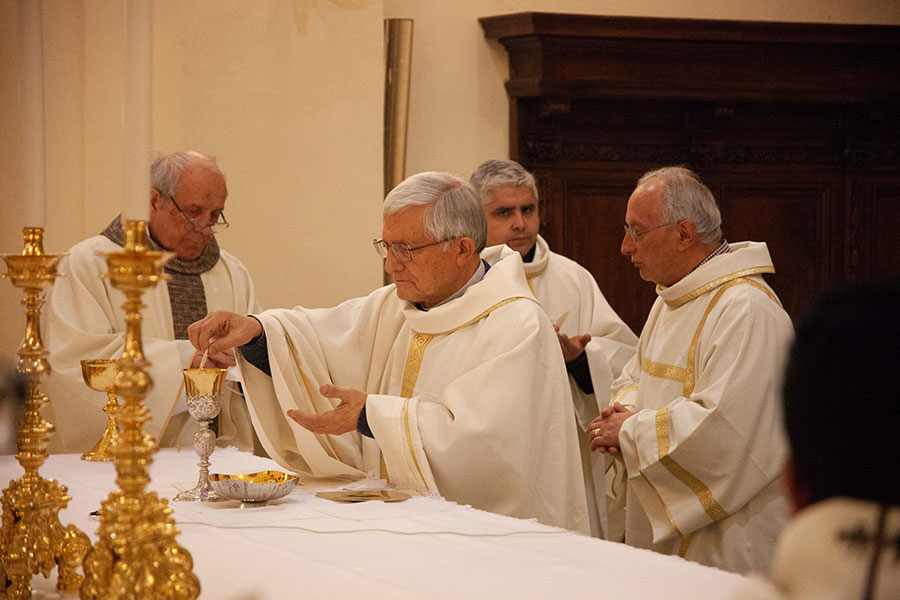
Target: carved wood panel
(795,128)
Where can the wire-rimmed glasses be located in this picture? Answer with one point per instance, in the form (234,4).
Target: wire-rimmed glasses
(199,224)
(402,252)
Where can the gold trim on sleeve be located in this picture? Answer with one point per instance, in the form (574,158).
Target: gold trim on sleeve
(662,502)
(631,387)
(703,493)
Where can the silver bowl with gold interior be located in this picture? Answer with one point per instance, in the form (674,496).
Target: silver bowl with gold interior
(254,487)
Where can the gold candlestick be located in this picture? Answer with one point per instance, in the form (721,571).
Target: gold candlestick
(99,374)
(136,555)
(32,540)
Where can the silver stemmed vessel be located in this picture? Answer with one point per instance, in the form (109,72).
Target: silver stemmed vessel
(203,388)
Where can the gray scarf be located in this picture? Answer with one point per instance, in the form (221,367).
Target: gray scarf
(186,293)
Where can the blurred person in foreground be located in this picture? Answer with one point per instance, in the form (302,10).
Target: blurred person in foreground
(841,395)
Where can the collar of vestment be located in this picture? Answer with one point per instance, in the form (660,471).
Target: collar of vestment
(745,259)
(203,263)
(831,545)
(504,282)
(534,268)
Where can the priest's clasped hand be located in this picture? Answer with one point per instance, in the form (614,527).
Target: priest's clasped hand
(604,430)
(340,420)
(221,330)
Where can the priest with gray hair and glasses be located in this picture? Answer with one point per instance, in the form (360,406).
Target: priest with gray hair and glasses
(449,381)
(85,320)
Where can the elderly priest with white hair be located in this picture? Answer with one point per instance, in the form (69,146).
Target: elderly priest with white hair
(448,381)
(85,319)
(694,429)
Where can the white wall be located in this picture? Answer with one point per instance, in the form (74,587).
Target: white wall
(288,95)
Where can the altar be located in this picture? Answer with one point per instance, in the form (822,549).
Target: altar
(304,546)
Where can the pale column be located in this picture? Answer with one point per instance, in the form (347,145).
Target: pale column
(31,63)
(136,110)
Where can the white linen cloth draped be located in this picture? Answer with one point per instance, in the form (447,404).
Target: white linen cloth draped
(304,546)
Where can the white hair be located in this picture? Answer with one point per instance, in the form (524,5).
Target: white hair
(686,198)
(453,209)
(166,170)
(493,174)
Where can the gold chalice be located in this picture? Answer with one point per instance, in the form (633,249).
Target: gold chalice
(100,375)
(203,388)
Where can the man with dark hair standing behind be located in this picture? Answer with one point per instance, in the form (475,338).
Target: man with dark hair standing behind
(595,342)
(841,410)
(84,317)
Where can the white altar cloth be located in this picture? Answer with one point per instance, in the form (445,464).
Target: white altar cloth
(302,546)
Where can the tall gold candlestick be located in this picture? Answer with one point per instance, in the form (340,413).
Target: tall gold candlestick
(32,540)
(136,555)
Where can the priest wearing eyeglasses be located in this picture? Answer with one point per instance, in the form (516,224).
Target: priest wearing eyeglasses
(449,381)
(85,320)
(692,434)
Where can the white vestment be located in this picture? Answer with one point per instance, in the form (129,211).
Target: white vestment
(827,552)
(563,286)
(703,453)
(84,319)
(468,399)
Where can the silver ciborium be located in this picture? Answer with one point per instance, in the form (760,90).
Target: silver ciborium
(99,374)
(203,388)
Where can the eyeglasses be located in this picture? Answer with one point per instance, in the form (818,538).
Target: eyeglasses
(402,252)
(636,234)
(198,224)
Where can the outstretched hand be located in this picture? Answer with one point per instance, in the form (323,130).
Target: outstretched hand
(604,430)
(340,420)
(221,330)
(572,347)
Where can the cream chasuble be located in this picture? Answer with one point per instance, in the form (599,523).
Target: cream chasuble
(84,319)
(563,286)
(703,453)
(468,400)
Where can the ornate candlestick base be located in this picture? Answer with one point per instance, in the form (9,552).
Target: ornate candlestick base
(32,540)
(100,375)
(136,555)
(203,388)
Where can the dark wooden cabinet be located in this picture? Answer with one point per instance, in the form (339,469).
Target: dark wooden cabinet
(795,128)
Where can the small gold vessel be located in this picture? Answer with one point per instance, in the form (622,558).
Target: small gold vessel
(100,375)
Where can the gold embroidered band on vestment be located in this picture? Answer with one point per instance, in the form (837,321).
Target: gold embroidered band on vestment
(687,376)
(696,293)
(414,357)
